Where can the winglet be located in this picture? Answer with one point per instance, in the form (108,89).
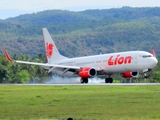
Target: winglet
(7,55)
(153,53)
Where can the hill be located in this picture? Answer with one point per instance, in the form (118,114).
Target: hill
(83,33)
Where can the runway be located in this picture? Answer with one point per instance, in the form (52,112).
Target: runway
(89,84)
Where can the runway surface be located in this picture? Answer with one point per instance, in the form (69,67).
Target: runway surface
(89,84)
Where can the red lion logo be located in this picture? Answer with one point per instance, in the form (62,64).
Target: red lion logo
(49,49)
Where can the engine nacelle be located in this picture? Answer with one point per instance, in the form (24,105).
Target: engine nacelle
(130,74)
(87,72)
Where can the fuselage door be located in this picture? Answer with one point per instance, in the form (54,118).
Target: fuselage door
(135,58)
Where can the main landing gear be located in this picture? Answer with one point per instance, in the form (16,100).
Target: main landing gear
(84,80)
(109,80)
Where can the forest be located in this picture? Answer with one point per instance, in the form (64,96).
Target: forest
(21,73)
(80,33)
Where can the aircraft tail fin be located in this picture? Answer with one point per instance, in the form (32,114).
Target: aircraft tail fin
(52,52)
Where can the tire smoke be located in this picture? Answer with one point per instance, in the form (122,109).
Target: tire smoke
(71,80)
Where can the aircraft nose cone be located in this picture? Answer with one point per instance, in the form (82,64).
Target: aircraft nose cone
(155,61)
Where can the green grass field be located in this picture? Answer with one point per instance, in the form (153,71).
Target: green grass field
(80,102)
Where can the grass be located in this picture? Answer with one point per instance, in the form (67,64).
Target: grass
(80,102)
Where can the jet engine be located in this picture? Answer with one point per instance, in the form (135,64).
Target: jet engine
(87,72)
(130,74)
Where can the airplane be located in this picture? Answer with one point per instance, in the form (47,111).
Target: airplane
(128,64)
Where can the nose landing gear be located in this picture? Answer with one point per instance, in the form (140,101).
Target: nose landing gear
(145,73)
(145,76)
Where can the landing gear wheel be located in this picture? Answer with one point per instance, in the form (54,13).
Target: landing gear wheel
(106,80)
(145,77)
(109,80)
(84,80)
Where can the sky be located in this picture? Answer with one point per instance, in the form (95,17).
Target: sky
(12,8)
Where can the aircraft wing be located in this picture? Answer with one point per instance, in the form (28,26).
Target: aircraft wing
(40,64)
(65,68)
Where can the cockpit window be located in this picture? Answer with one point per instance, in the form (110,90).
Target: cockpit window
(145,56)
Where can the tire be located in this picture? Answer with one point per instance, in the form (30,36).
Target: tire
(106,80)
(86,80)
(110,80)
(81,80)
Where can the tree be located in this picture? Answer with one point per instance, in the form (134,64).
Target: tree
(21,77)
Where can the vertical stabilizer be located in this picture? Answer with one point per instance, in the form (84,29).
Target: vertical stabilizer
(52,52)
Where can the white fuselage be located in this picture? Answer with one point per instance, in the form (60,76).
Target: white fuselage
(132,61)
